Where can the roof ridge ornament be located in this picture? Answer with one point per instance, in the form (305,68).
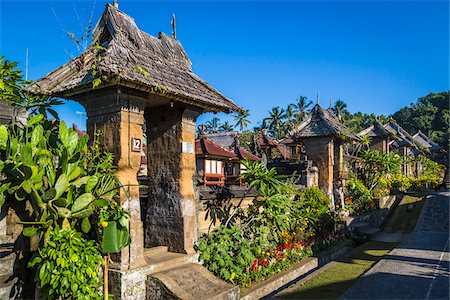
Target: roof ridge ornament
(174,26)
(115,4)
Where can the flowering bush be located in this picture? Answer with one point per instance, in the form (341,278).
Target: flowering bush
(358,198)
(279,228)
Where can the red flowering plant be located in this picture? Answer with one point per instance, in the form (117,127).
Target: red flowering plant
(271,235)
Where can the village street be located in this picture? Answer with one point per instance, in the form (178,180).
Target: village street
(419,267)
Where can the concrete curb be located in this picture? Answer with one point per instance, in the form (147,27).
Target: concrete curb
(303,268)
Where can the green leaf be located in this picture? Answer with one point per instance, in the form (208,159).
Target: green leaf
(27,154)
(85,225)
(74,171)
(3,136)
(91,183)
(96,82)
(83,213)
(61,185)
(37,135)
(100,203)
(82,201)
(49,195)
(61,202)
(114,239)
(30,231)
(34,261)
(35,120)
(80,181)
(63,212)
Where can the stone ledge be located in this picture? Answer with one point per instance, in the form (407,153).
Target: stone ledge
(307,265)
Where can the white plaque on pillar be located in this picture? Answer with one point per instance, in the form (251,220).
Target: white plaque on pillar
(136,145)
(186,147)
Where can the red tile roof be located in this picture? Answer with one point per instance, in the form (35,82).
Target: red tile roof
(206,147)
(244,154)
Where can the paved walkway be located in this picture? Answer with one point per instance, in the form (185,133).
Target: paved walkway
(419,267)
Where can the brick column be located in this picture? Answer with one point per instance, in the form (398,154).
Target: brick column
(119,115)
(187,170)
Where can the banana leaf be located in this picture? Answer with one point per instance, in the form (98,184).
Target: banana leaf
(114,238)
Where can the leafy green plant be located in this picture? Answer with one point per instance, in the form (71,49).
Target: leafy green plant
(359,196)
(277,229)
(68,266)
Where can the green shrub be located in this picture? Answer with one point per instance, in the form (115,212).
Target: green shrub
(358,197)
(68,267)
(278,229)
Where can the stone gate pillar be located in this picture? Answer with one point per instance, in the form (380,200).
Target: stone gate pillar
(170,216)
(119,114)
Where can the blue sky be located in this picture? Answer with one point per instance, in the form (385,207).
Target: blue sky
(377,56)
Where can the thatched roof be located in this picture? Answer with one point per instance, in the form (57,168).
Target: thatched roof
(424,141)
(322,123)
(403,138)
(135,59)
(375,130)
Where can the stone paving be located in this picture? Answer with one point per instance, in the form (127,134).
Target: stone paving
(436,216)
(419,267)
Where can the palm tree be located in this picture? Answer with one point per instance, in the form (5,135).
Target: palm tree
(241,120)
(212,126)
(301,108)
(275,122)
(226,127)
(340,109)
(290,116)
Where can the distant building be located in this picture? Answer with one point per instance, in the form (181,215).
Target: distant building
(217,165)
(379,136)
(322,136)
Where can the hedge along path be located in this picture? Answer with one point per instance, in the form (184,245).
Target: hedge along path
(339,277)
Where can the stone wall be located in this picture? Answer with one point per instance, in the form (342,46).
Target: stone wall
(170,208)
(321,151)
(379,144)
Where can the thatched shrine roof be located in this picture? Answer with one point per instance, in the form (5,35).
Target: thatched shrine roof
(375,130)
(425,142)
(133,58)
(322,123)
(403,138)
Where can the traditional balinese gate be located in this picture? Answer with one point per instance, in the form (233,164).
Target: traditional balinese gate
(139,77)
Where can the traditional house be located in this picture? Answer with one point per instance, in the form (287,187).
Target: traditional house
(405,145)
(379,136)
(211,159)
(322,135)
(217,165)
(270,148)
(433,150)
(134,77)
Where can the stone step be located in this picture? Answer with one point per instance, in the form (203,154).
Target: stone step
(167,260)
(189,282)
(155,250)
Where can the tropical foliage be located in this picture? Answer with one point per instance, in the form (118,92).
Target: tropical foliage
(430,114)
(70,187)
(281,226)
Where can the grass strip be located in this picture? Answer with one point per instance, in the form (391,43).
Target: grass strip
(404,220)
(334,281)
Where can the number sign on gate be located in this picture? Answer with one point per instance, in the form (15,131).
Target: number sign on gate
(136,145)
